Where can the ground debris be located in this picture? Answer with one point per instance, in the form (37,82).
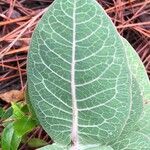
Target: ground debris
(12,96)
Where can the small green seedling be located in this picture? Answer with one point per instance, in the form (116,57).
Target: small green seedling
(86,84)
(17,125)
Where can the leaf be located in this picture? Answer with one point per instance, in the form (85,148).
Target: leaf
(95,147)
(25,109)
(30,107)
(24,125)
(14,131)
(17,112)
(10,141)
(136,141)
(1,112)
(79,81)
(138,87)
(136,110)
(7,113)
(144,122)
(87,147)
(36,142)
(138,70)
(139,137)
(54,147)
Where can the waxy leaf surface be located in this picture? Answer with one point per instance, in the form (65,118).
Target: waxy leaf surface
(79,80)
(138,70)
(87,147)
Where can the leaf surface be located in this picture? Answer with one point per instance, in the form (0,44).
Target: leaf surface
(36,142)
(138,70)
(135,111)
(144,122)
(10,140)
(17,112)
(78,77)
(54,147)
(24,125)
(139,74)
(135,141)
(87,147)
(136,134)
(7,113)
(138,88)
(1,112)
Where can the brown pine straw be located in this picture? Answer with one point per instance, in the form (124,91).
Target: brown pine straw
(18,19)
(9,21)
(5,50)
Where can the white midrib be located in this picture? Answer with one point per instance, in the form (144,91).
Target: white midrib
(74,132)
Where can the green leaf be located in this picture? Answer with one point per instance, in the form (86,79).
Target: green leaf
(1,112)
(36,142)
(24,125)
(135,141)
(136,122)
(137,90)
(10,140)
(87,147)
(144,122)
(138,70)
(7,113)
(136,110)
(54,147)
(83,81)
(17,112)
(30,107)
(25,109)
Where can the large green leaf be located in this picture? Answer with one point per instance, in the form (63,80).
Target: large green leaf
(78,76)
(54,147)
(80,82)
(135,141)
(138,70)
(136,110)
(30,107)
(144,122)
(87,147)
(139,88)
(136,134)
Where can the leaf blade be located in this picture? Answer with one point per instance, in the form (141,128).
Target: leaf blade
(56,146)
(135,141)
(10,140)
(138,70)
(51,97)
